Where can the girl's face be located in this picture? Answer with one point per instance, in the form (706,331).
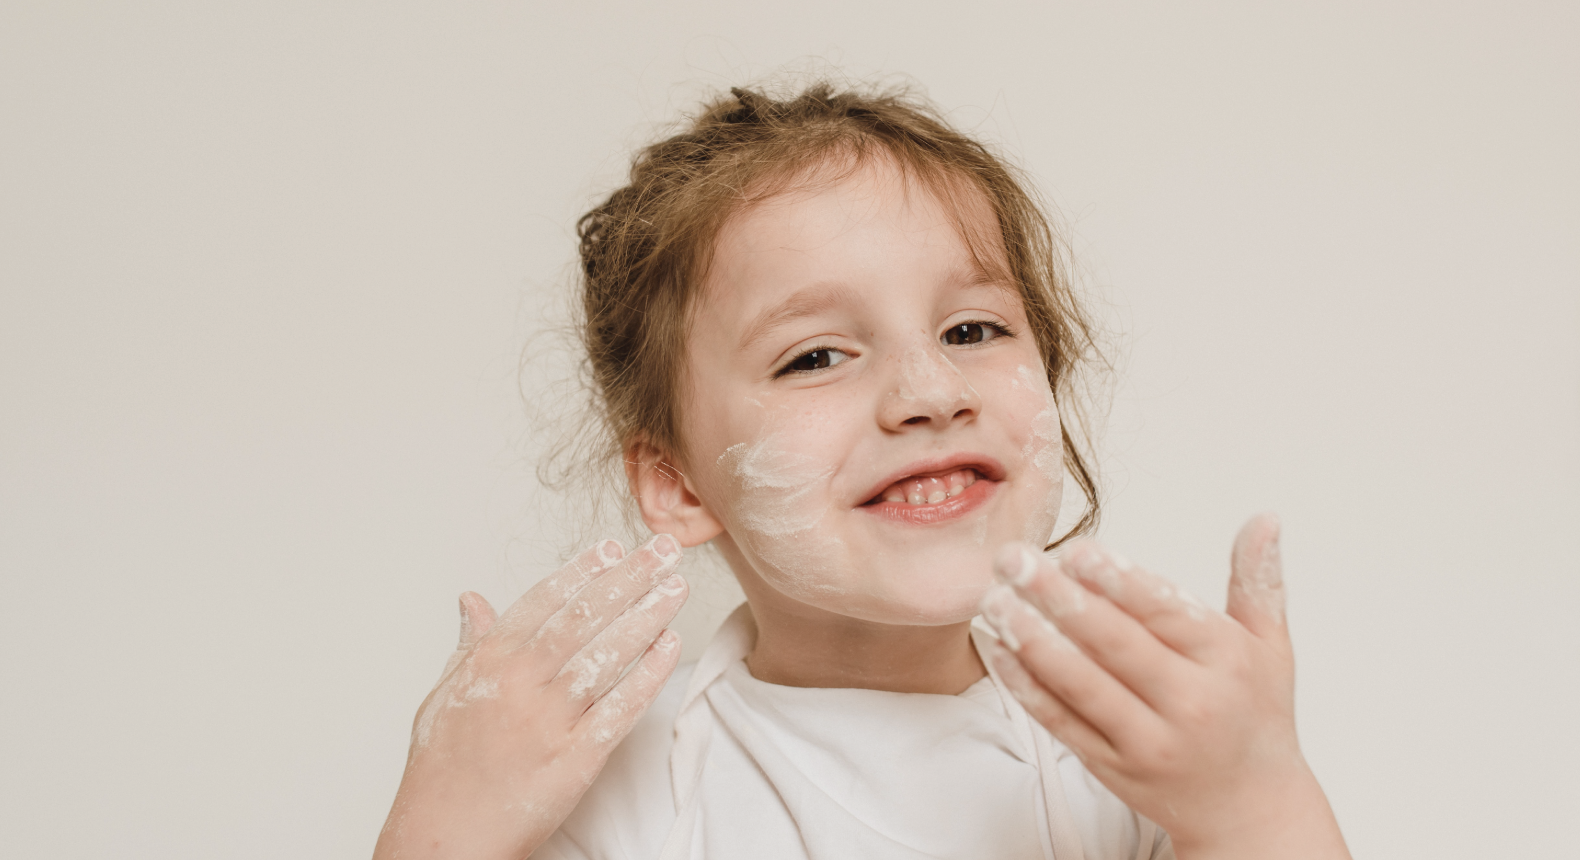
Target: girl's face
(867,412)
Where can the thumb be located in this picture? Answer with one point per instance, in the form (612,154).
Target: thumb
(477,618)
(1256,578)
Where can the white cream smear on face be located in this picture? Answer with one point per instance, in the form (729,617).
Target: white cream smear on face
(1044,450)
(930,378)
(777,484)
(778,513)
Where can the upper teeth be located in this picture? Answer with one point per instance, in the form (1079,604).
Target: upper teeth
(930,491)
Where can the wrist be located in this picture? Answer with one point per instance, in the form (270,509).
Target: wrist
(445,818)
(1288,818)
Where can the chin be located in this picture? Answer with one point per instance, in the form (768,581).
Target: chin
(908,575)
(936,590)
(956,607)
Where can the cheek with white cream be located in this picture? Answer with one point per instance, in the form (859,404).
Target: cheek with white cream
(1043,452)
(777,515)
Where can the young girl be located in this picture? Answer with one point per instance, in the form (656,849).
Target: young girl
(830,336)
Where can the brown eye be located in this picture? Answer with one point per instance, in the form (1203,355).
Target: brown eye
(814,360)
(968,333)
(817,359)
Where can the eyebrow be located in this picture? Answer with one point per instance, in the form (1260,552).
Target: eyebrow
(806,302)
(974,275)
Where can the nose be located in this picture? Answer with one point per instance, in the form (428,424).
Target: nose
(927,389)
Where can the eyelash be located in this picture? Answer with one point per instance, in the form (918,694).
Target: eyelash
(787,370)
(1002,328)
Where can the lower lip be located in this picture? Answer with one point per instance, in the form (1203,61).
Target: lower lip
(971,498)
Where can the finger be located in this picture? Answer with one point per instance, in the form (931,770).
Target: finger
(603,599)
(1063,723)
(477,616)
(1055,662)
(1120,644)
(1170,613)
(597,666)
(609,720)
(524,617)
(1256,578)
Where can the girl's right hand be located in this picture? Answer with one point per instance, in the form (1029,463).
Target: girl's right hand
(1186,714)
(529,708)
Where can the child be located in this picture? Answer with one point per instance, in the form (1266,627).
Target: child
(830,336)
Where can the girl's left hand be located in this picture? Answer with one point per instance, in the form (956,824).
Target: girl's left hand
(1185,713)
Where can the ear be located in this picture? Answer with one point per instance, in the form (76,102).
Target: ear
(666,497)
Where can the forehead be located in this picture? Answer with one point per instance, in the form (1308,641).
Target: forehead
(845,223)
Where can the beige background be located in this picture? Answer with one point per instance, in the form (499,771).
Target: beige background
(266,271)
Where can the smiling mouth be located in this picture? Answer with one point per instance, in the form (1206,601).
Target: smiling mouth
(929,490)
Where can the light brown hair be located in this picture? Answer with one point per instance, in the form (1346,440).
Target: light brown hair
(646,249)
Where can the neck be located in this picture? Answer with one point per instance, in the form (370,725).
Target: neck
(804,646)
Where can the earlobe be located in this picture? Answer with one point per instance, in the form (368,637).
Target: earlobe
(666,497)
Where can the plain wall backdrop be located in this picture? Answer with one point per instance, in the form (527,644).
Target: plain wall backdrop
(267,271)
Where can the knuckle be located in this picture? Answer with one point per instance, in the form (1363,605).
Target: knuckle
(557,745)
(1194,710)
(1239,668)
(1104,762)
(1057,595)
(1110,644)
(581,609)
(1164,757)
(635,576)
(485,653)
(1079,690)
(1153,753)
(1043,711)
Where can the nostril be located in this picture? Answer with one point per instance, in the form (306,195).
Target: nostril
(915,419)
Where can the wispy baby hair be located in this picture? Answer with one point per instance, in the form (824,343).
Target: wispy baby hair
(645,250)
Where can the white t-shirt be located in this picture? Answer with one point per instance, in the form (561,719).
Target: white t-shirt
(769,772)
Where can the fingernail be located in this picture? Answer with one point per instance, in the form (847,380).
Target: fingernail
(666,547)
(1016,565)
(609,552)
(1099,566)
(466,621)
(1273,559)
(1084,561)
